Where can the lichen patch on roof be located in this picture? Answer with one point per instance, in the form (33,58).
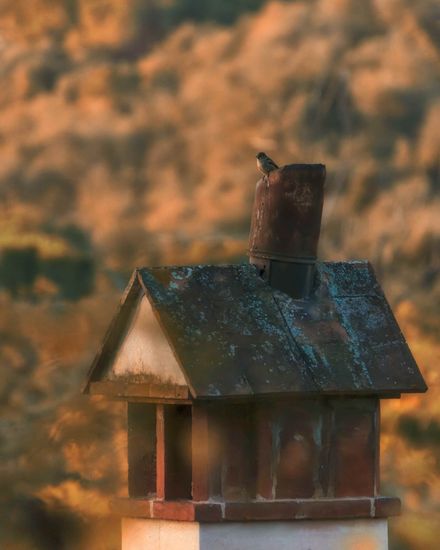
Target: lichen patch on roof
(226,330)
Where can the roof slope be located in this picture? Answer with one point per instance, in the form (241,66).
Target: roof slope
(234,335)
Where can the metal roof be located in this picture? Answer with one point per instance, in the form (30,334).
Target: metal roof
(236,336)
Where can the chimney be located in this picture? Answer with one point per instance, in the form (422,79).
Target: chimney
(253,416)
(285,226)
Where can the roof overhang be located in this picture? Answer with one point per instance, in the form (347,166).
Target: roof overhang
(234,337)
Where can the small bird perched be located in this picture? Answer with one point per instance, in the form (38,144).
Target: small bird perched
(265,164)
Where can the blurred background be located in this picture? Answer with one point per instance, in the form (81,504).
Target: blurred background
(128,136)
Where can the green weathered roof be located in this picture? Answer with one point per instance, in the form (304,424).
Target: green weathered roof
(235,336)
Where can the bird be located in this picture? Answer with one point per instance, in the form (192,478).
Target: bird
(265,164)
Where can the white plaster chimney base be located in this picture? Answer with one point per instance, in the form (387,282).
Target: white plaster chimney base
(150,534)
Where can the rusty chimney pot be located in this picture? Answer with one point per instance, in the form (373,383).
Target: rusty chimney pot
(285,226)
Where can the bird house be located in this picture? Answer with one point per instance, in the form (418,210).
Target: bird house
(253,391)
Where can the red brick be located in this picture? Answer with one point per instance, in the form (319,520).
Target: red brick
(141,447)
(179,511)
(354,448)
(178,469)
(377,449)
(260,511)
(387,506)
(334,508)
(264,451)
(298,509)
(298,451)
(206,512)
(200,453)
(160,451)
(238,461)
(325,475)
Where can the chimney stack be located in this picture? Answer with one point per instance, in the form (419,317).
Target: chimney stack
(253,416)
(285,226)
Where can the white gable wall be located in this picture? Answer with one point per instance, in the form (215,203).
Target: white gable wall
(145,354)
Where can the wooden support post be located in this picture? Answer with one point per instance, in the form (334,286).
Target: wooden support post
(354,447)
(141,444)
(160,450)
(178,471)
(264,443)
(297,450)
(239,454)
(200,453)
(377,449)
